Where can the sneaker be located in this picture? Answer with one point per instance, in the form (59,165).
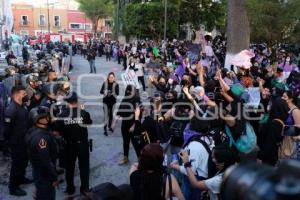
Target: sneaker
(70,191)
(111,130)
(26,181)
(124,161)
(105,133)
(60,171)
(17,192)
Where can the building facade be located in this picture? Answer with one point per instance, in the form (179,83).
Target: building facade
(55,23)
(78,22)
(23,19)
(64,17)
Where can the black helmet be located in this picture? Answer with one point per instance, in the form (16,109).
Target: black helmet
(38,113)
(32,78)
(50,88)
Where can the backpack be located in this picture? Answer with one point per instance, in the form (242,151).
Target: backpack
(288,146)
(246,142)
(176,132)
(212,170)
(162,132)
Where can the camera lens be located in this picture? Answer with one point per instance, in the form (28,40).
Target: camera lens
(248,182)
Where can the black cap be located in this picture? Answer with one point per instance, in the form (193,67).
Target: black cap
(72,98)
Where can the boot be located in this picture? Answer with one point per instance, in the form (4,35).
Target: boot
(124,161)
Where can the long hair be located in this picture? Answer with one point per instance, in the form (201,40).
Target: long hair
(110,73)
(151,170)
(151,158)
(224,154)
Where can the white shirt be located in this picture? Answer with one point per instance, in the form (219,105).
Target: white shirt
(214,186)
(198,158)
(139,71)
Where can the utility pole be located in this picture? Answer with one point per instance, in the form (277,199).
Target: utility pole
(165,26)
(118,19)
(48,16)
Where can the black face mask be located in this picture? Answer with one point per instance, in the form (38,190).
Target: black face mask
(25,99)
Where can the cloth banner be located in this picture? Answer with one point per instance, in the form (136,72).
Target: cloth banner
(130,78)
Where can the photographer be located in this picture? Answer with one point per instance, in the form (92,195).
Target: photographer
(148,178)
(110,91)
(198,144)
(223,157)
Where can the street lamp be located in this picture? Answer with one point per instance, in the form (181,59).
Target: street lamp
(49,14)
(2,22)
(165,25)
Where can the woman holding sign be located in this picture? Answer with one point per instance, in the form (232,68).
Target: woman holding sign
(110,91)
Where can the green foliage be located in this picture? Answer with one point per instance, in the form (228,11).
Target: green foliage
(207,12)
(96,9)
(272,21)
(147,20)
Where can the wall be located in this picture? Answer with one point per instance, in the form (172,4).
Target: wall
(19,11)
(39,28)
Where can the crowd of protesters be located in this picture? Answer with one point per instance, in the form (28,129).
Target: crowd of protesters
(206,117)
(188,116)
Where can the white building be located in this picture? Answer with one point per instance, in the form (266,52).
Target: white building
(6,19)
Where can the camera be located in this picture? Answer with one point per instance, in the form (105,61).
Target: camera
(254,181)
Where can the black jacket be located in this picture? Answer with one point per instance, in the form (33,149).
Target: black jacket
(111,90)
(71,125)
(16,123)
(42,152)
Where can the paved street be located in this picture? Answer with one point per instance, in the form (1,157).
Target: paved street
(107,150)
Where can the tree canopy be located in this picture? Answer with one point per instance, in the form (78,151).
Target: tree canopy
(95,10)
(210,13)
(147,20)
(272,21)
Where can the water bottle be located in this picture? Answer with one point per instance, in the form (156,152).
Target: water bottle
(165,163)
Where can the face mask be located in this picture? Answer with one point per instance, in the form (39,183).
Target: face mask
(25,99)
(132,65)
(193,67)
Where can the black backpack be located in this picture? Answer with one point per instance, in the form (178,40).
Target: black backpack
(176,132)
(212,170)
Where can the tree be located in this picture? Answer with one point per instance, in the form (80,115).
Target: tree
(95,10)
(207,12)
(238,29)
(277,20)
(147,20)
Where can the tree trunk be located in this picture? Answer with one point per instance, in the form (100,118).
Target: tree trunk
(238,29)
(95,26)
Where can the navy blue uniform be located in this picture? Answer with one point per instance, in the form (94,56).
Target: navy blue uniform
(77,146)
(16,124)
(42,152)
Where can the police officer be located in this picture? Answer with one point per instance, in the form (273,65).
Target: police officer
(16,124)
(32,91)
(50,90)
(72,127)
(42,153)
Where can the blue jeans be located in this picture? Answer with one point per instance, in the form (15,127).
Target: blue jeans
(188,191)
(92,66)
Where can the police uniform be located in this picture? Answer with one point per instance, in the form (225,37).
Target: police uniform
(31,92)
(16,124)
(77,146)
(42,153)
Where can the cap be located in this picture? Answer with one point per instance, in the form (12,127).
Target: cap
(72,98)
(38,113)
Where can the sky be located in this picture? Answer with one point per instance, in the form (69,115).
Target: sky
(72,4)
